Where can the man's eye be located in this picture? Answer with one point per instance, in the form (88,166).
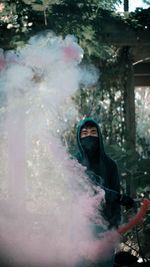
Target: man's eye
(84,132)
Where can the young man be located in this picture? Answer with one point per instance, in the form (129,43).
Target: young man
(102,171)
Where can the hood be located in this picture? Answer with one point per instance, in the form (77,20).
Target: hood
(80,125)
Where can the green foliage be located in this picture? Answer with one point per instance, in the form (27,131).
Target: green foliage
(142,100)
(140,19)
(147,1)
(134,170)
(81,18)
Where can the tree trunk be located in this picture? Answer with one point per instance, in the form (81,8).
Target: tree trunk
(126,5)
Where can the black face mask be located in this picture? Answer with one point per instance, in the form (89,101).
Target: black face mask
(90,145)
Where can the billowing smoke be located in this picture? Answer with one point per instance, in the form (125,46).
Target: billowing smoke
(48,206)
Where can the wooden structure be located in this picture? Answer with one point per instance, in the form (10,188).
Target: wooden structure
(138,41)
(142,73)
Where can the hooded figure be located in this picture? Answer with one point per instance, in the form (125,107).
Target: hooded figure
(101,169)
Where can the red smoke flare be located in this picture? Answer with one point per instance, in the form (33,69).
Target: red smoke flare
(136,219)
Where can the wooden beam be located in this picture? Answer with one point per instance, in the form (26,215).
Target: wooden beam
(142,81)
(142,69)
(141,52)
(142,74)
(127,37)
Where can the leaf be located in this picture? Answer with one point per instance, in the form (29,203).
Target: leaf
(28,2)
(38,7)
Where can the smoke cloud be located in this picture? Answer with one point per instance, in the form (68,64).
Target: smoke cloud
(48,206)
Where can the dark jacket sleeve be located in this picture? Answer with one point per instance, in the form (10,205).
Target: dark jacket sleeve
(112,210)
(112,192)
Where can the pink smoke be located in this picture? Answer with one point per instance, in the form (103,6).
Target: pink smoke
(2,62)
(48,206)
(32,239)
(7,58)
(71,54)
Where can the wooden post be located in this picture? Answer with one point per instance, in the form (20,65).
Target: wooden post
(129,112)
(129,103)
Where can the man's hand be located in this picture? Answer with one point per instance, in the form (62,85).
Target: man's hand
(126,201)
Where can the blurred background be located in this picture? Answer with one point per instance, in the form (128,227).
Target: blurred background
(115,37)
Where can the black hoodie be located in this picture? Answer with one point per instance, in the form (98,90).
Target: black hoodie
(104,173)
